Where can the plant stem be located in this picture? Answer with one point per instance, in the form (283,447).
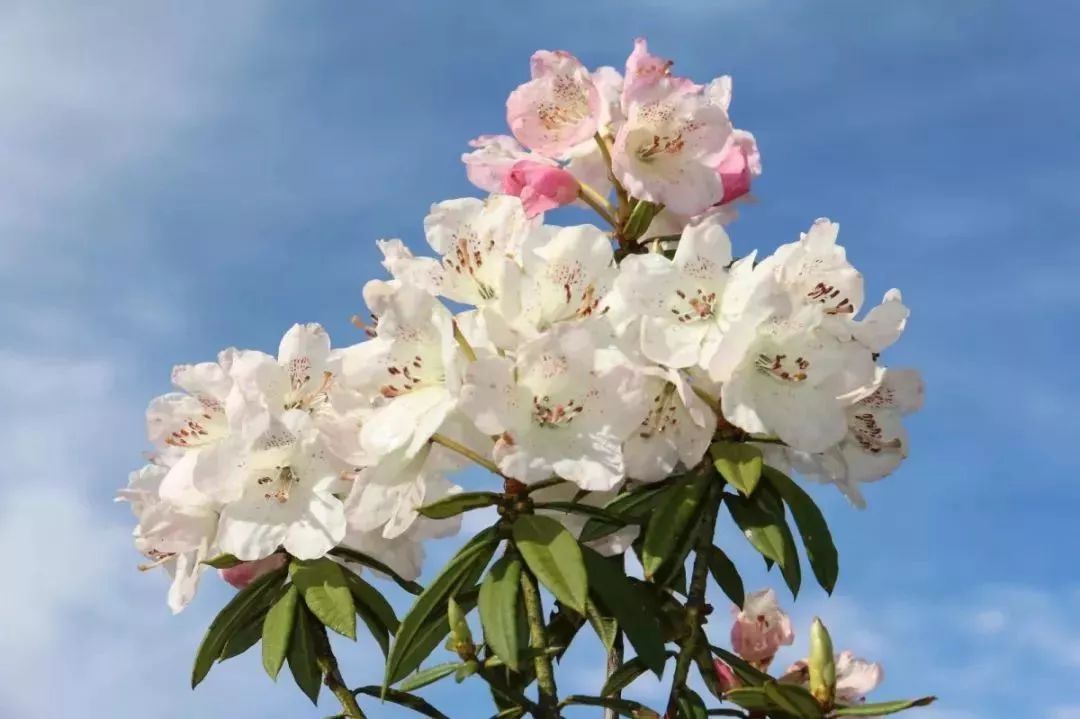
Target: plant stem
(545,673)
(466,452)
(593,199)
(463,343)
(614,661)
(695,600)
(332,677)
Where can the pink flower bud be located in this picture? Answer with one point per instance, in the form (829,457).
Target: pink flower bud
(541,187)
(761,628)
(725,677)
(245,573)
(740,164)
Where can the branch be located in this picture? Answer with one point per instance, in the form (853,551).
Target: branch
(545,672)
(695,600)
(466,452)
(332,676)
(593,199)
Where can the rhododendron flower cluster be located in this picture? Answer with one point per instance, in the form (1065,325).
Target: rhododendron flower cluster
(642,354)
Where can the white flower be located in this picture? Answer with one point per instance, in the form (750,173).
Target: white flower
(678,428)
(789,379)
(176,527)
(567,272)
(883,324)
(855,678)
(282,492)
(681,300)
(876,441)
(411,367)
(559,408)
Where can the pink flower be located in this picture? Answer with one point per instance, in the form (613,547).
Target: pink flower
(493,156)
(541,187)
(245,573)
(761,628)
(558,108)
(740,163)
(644,70)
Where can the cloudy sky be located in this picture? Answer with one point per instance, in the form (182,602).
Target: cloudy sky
(180,177)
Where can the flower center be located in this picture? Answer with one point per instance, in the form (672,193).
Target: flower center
(870,436)
(549,414)
(692,307)
(276,486)
(778,366)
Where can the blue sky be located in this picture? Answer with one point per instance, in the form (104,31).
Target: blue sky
(177,178)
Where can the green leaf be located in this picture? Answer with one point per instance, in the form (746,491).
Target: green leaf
(768,532)
(367,595)
(794,700)
(322,585)
(352,555)
(243,640)
(628,603)
(427,617)
(812,528)
(882,708)
(402,698)
(605,515)
(674,520)
(277,629)
(623,707)
(606,628)
(222,561)
(624,675)
(428,676)
(639,220)
(303,654)
(746,672)
(752,698)
(500,608)
(554,556)
(455,504)
(248,603)
(738,463)
(466,670)
(631,507)
(690,705)
(726,576)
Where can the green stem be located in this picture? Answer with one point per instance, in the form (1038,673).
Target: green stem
(614,661)
(463,343)
(332,677)
(466,452)
(545,672)
(593,199)
(695,599)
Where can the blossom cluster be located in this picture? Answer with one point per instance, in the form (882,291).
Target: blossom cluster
(545,351)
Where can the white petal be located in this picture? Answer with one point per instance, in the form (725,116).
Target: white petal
(673,344)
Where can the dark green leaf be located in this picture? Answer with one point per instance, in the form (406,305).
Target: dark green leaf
(500,609)
(747,673)
(564,625)
(243,640)
(812,528)
(428,676)
(303,654)
(455,504)
(768,532)
(222,561)
(427,617)
(690,705)
(794,700)
(882,708)
(628,603)
(738,463)
(623,707)
(510,713)
(606,628)
(370,597)
(624,675)
(322,585)
(633,506)
(248,603)
(277,630)
(752,698)
(726,576)
(674,518)
(402,698)
(554,556)
(588,510)
(352,555)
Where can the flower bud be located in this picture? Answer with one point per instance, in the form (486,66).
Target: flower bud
(725,677)
(739,165)
(459,627)
(245,573)
(761,628)
(541,187)
(822,664)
